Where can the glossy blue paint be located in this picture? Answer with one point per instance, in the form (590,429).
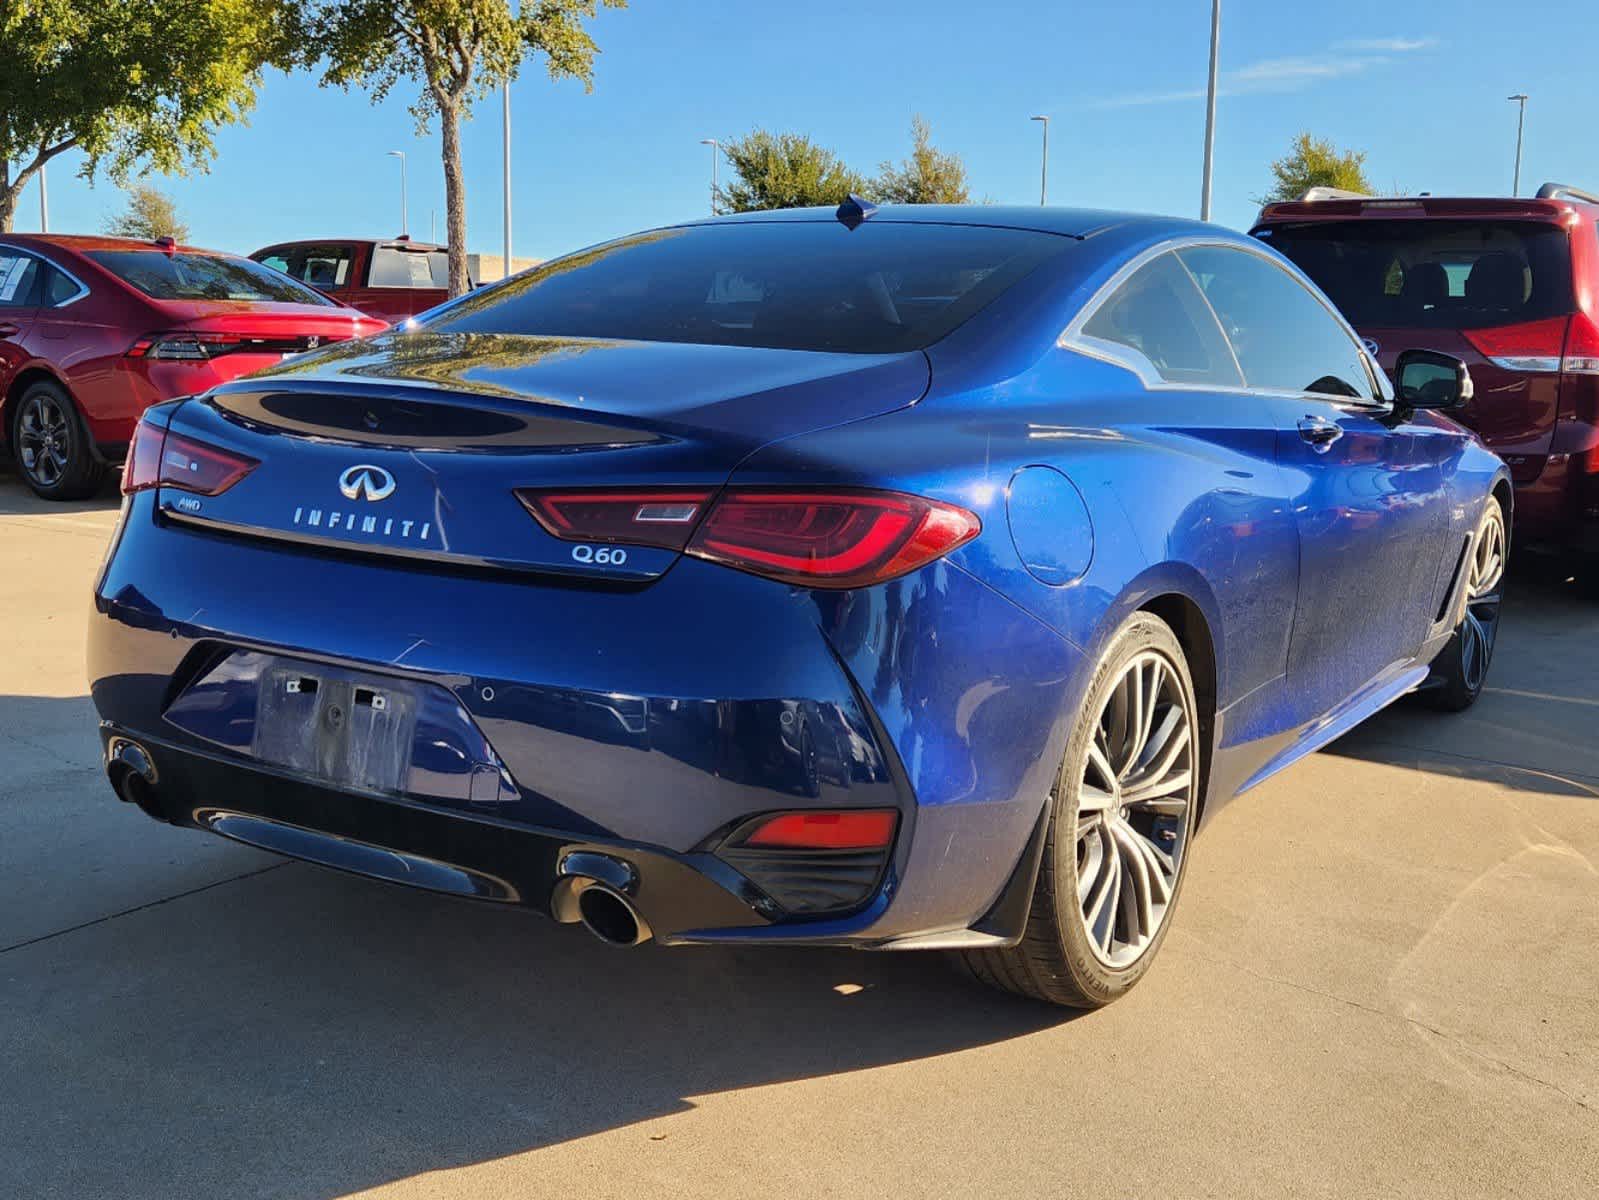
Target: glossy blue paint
(651,706)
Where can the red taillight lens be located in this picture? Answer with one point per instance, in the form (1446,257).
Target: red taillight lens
(1582,347)
(196,467)
(143,466)
(864,829)
(186,347)
(835,539)
(636,518)
(1533,346)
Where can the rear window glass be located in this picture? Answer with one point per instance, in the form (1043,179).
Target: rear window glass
(324,267)
(795,285)
(409,268)
(1434,274)
(188,276)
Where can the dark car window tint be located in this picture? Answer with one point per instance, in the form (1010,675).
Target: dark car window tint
(1434,274)
(393,268)
(18,273)
(185,275)
(1286,339)
(795,285)
(325,267)
(58,286)
(1158,313)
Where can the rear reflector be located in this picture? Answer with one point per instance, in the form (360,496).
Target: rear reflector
(859,829)
(833,538)
(157,458)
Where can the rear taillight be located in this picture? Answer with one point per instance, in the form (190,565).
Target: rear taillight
(822,538)
(157,458)
(185,347)
(635,518)
(143,465)
(836,539)
(1557,344)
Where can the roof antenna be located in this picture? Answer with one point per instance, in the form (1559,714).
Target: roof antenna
(853,211)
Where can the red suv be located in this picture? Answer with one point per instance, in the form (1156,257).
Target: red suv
(392,280)
(94,330)
(1512,287)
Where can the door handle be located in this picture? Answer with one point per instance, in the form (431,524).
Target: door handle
(1320,433)
(7,329)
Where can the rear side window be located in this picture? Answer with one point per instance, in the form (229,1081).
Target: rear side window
(1434,274)
(883,288)
(58,287)
(1285,338)
(18,273)
(409,268)
(1159,313)
(325,267)
(189,276)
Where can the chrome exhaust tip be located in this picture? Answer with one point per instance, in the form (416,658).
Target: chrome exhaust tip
(133,776)
(611,917)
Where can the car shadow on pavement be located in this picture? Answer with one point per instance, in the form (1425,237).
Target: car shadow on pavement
(18,500)
(289,1031)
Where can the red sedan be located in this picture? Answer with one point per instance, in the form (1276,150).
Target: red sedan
(94,330)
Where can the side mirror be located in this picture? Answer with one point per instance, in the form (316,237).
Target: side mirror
(1428,379)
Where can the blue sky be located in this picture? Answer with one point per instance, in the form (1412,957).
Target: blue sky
(1419,84)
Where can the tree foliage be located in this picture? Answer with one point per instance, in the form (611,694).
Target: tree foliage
(134,84)
(454,52)
(150,214)
(928,176)
(785,170)
(1316,162)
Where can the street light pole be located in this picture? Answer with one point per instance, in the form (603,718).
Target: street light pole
(716,155)
(506,272)
(1210,108)
(405,208)
(1043,178)
(1521,119)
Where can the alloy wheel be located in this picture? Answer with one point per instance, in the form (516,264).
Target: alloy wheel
(1138,786)
(1484,591)
(44,438)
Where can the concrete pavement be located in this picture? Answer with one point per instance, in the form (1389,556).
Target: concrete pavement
(1382,981)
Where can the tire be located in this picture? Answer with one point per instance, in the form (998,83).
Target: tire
(1460,672)
(51,445)
(1068,955)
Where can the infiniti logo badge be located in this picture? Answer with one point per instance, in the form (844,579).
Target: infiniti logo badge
(366,482)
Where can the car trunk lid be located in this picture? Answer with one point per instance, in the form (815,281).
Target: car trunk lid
(413,444)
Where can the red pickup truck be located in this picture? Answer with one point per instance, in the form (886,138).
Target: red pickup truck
(387,279)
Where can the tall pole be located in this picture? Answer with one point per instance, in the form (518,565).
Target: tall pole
(1043,178)
(716,155)
(405,208)
(507,148)
(1210,108)
(44,201)
(1521,119)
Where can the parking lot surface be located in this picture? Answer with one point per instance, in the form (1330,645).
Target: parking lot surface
(1382,981)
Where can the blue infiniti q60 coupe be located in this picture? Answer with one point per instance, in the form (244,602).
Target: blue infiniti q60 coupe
(914,578)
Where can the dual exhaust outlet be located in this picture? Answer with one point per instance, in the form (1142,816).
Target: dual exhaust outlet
(596,890)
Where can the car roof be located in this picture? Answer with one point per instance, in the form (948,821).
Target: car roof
(386,243)
(1558,207)
(1072,222)
(84,243)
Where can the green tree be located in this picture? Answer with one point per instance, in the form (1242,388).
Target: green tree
(133,84)
(1316,162)
(150,214)
(928,176)
(457,51)
(785,170)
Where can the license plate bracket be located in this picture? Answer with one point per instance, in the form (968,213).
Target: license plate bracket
(352,730)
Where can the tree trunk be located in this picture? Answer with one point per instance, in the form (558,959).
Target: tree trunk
(8,197)
(454,197)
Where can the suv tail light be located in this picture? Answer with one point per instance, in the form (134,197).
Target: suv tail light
(1557,344)
(158,458)
(828,538)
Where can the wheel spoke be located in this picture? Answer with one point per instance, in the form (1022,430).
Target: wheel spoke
(1145,793)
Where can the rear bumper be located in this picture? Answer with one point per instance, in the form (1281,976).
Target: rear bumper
(647,721)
